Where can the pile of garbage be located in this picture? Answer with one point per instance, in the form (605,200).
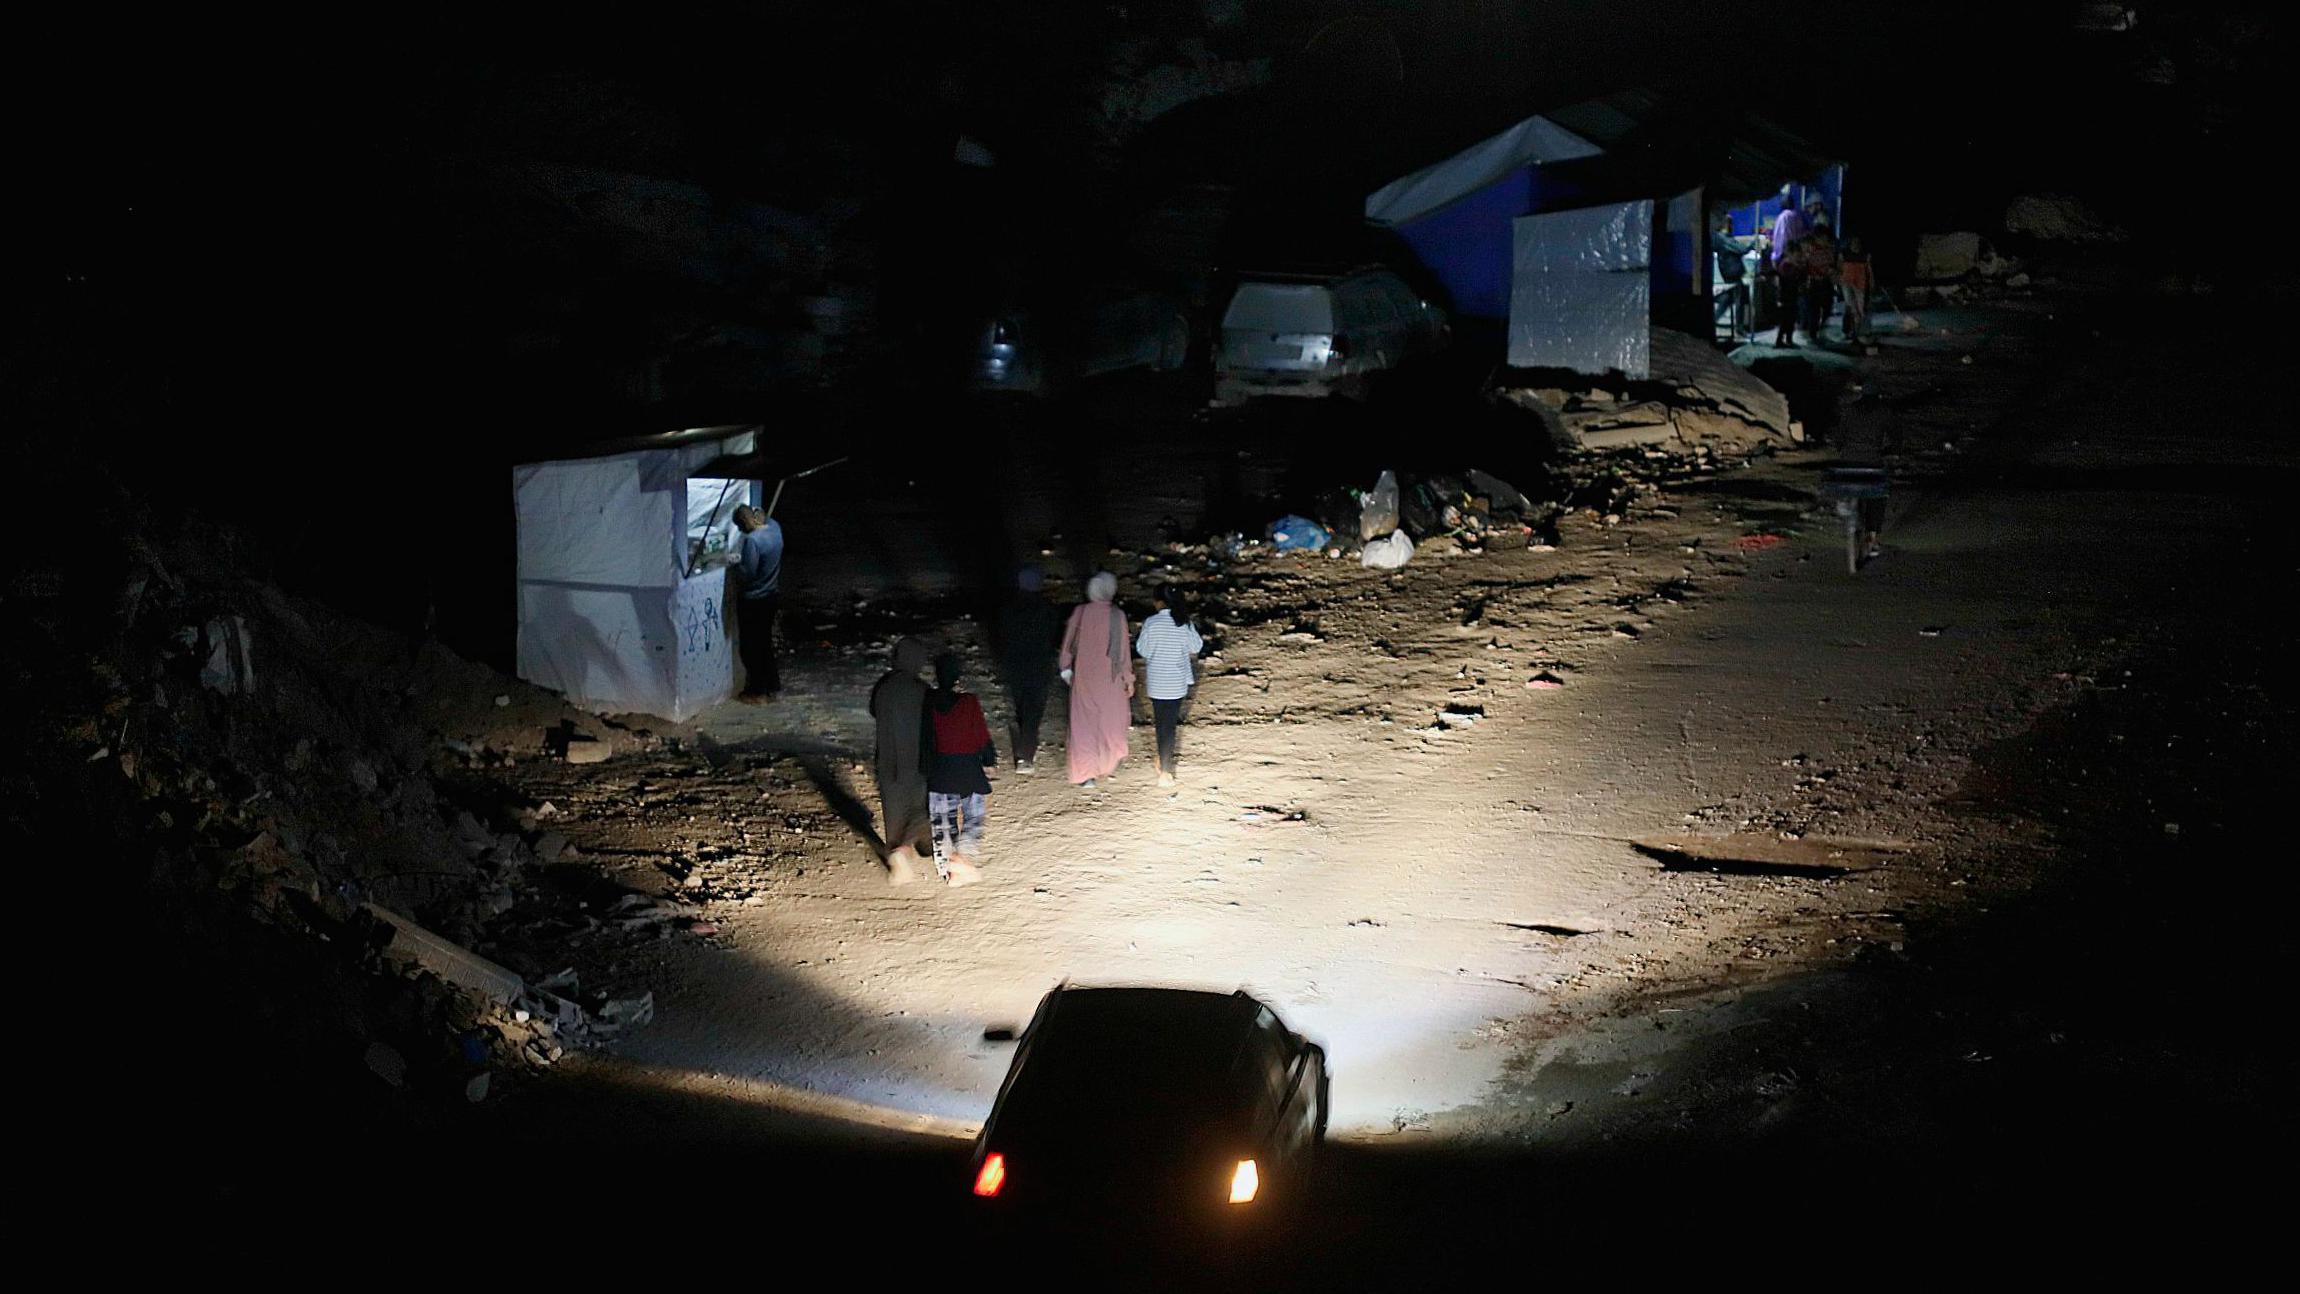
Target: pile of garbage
(1405,513)
(276,776)
(1384,525)
(1472,510)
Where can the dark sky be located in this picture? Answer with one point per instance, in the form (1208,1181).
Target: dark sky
(282,200)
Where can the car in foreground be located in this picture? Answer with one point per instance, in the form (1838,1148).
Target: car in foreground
(1145,1108)
(1321,334)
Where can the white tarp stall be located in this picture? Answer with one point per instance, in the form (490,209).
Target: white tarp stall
(1581,290)
(615,609)
(1530,142)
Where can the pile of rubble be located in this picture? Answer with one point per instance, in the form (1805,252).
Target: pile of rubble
(279,776)
(1961,266)
(1965,266)
(1696,402)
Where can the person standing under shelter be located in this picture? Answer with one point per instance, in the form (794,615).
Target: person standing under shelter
(898,703)
(1729,293)
(758,595)
(958,749)
(1856,278)
(1789,230)
(1818,255)
(1168,644)
(1098,665)
(1027,628)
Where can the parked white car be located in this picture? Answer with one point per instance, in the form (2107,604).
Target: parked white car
(1315,335)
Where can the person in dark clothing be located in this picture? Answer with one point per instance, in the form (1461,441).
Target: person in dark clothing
(898,703)
(957,745)
(1730,303)
(1818,254)
(1028,628)
(758,595)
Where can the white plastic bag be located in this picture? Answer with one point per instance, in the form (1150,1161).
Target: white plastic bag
(1378,509)
(1389,552)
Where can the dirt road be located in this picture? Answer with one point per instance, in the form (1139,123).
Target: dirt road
(1517,916)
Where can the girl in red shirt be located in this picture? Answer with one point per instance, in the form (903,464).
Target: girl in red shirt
(956,748)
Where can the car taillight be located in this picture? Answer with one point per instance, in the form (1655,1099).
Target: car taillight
(1243,1183)
(1338,350)
(993,1176)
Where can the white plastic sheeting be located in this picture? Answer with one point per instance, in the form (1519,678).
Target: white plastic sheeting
(1581,290)
(608,615)
(1533,140)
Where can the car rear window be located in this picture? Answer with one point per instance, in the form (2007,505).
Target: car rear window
(1281,308)
(1132,1070)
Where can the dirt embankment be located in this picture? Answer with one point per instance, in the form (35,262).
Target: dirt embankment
(263,790)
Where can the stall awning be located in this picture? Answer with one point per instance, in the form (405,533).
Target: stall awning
(757,466)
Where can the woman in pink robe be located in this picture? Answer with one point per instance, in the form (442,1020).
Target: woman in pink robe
(1098,663)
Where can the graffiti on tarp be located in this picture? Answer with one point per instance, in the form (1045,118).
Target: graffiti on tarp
(699,633)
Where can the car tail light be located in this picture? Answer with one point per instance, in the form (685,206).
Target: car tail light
(1243,1183)
(1338,350)
(988,1182)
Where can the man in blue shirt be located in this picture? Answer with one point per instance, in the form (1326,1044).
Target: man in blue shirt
(758,579)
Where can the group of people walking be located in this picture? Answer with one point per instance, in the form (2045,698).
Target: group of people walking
(934,747)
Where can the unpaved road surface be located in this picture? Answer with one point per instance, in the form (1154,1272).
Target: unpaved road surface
(1525,921)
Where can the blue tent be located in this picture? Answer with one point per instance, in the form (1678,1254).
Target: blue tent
(1556,194)
(1456,214)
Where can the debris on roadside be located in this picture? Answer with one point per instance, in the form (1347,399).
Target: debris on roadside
(1695,400)
(1263,814)
(1292,533)
(1378,509)
(1387,553)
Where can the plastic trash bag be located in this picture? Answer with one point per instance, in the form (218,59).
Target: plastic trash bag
(1389,552)
(1290,533)
(1378,510)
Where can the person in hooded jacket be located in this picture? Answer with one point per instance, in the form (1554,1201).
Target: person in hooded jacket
(898,703)
(958,748)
